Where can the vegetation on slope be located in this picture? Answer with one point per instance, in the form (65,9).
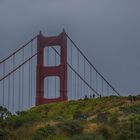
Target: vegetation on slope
(108,118)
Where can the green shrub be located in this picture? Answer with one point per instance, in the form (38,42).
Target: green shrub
(4,134)
(71,127)
(134,122)
(113,118)
(21,112)
(15,121)
(56,138)
(88,137)
(84,137)
(102,117)
(103,130)
(134,109)
(44,132)
(4,113)
(77,114)
(123,135)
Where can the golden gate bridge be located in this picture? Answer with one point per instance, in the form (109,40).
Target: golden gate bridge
(49,69)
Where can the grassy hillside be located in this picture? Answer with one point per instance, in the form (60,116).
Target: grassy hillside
(108,118)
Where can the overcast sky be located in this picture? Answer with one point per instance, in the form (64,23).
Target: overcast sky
(108,31)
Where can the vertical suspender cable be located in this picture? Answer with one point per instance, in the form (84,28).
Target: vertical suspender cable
(102,87)
(19,89)
(22,79)
(107,89)
(96,82)
(47,65)
(81,89)
(71,71)
(78,72)
(90,76)
(30,73)
(29,85)
(112,92)
(31,70)
(84,76)
(55,77)
(3,83)
(8,91)
(75,78)
(13,83)
(75,86)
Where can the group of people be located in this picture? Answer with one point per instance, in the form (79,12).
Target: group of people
(132,98)
(92,96)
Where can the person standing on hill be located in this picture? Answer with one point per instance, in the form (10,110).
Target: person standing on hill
(86,97)
(90,97)
(131,98)
(134,98)
(93,96)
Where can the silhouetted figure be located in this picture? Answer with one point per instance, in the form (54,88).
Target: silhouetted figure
(86,97)
(90,96)
(131,99)
(93,96)
(134,98)
(100,96)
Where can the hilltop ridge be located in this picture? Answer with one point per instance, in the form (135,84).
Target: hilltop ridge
(108,118)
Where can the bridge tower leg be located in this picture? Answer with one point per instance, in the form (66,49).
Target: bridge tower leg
(42,72)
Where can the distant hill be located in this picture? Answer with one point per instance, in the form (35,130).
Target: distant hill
(108,118)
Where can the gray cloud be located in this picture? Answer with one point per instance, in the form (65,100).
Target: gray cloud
(107,31)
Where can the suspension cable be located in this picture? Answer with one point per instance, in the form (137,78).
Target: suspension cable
(78,74)
(92,64)
(26,44)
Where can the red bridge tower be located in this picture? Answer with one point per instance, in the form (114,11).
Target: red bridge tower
(42,72)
